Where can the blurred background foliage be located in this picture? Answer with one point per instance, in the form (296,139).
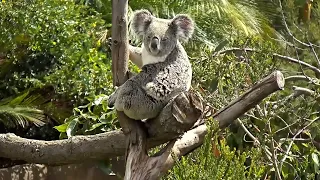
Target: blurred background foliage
(55,74)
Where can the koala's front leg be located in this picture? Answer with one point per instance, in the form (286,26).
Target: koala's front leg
(113,97)
(135,55)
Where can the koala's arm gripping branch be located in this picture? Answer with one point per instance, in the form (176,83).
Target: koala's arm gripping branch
(135,55)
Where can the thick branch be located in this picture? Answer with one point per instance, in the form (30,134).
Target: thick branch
(249,99)
(110,144)
(73,150)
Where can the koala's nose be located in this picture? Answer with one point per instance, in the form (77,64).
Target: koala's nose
(154,43)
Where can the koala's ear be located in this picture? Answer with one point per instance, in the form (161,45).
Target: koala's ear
(184,26)
(140,20)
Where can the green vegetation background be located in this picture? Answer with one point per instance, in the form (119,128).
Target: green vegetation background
(55,75)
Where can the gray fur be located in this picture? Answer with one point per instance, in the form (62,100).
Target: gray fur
(162,78)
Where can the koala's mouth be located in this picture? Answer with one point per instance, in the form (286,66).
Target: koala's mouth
(154,51)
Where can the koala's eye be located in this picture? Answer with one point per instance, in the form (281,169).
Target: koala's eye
(164,39)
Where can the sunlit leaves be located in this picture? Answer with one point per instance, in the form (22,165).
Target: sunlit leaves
(56,47)
(91,118)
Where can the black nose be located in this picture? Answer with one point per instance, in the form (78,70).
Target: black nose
(154,43)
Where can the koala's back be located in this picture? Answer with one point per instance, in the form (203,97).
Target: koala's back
(144,95)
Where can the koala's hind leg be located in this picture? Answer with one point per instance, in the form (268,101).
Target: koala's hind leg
(135,55)
(135,103)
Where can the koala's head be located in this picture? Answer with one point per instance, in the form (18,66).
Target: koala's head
(160,36)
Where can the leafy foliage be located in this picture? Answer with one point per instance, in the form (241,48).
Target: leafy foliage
(56,43)
(58,47)
(92,118)
(215,160)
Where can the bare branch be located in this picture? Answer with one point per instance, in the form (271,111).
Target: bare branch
(307,65)
(301,77)
(255,140)
(301,90)
(274,155)
(120,53)
(309,45)
(68,151)
(313,68)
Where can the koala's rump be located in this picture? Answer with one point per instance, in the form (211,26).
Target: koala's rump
(136,103)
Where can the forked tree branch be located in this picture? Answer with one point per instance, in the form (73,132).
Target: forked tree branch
(110,144)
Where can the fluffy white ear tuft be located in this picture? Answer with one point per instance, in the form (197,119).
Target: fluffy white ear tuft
(184,26)
(140,21)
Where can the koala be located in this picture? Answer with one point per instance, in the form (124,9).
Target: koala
(165,68)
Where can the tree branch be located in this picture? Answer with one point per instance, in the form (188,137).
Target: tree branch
(111,144)
(249,99)
(309,66)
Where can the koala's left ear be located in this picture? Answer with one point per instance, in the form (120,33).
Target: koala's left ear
(140,20)
(184,26)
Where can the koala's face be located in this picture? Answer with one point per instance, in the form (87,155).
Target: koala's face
(160,36)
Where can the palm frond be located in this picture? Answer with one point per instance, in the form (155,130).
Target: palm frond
(217,19)
(22,110)
(21,115)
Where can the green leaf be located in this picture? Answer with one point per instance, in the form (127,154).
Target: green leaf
(18,99)
(316,162)
(315,158)
(62,128)
(71,129)
(93,127)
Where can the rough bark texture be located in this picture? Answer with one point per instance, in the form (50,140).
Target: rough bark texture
(120,53)
(74,150)
(178,116)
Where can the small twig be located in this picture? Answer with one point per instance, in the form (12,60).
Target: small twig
(255,140)
(287,27)
(274,156)
(314,53)
(303,78)
(313,68)
(297,61)
(287,125)
(293,139)
(301,90)
(233,50)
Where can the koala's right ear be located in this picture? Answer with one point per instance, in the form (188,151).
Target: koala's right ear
(140,20)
